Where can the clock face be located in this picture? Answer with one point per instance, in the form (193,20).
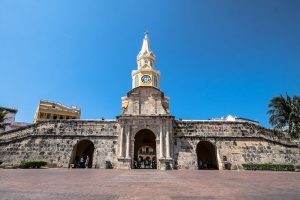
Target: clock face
(146,79)
(146,61)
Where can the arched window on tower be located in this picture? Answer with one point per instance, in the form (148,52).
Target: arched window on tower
(136,80)
(155,81)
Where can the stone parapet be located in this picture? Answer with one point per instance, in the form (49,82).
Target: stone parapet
(229,130)
(63,128)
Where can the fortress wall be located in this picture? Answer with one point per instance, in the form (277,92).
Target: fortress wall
(62,128)
(239,142)
(54,142)
(227,129)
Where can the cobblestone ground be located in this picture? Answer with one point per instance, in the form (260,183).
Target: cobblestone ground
(100,184)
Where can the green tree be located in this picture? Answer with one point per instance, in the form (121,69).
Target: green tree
(285,114)
(2,116)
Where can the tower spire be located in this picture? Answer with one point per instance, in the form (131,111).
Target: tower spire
(146,58)
(146,45)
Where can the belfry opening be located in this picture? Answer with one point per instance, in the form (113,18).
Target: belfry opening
(206,155)
(145,150)
(82,155)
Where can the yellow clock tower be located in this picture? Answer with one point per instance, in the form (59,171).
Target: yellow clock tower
(145,75)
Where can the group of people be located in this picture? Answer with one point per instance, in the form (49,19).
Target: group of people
(145,164)
(82,163)
(203,164)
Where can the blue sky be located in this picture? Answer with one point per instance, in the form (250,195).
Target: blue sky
(216,57)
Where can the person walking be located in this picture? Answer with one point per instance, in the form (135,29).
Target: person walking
(87,162)
(81,162)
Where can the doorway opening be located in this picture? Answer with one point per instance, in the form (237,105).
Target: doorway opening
(145,150)
(82,155)
(206,155)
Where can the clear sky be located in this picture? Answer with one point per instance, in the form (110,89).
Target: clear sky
(216,57)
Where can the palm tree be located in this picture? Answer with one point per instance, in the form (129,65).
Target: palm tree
(285,114)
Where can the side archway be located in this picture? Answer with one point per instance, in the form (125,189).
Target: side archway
(82,154)
(206,155)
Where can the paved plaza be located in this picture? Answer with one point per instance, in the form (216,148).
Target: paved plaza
(101,184)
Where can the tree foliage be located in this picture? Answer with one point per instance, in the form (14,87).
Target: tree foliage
(2,116)
(285,114)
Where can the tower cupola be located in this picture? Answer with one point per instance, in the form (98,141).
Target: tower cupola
(145,75)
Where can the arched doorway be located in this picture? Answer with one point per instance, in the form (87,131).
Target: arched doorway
(145,150)
(206,155)
(82,154)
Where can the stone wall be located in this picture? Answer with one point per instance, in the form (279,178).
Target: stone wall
(54,141)
(145,101)
(239,142)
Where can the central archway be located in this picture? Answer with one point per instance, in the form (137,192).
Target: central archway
(82,154)
(206,155)
(145,150)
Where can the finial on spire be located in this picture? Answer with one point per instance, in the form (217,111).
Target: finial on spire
(146,32)
(146,45)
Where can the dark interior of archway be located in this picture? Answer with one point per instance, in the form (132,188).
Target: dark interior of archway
(206,156)
(144,137)
(84,149)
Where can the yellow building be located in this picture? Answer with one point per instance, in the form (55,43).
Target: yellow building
(51,110)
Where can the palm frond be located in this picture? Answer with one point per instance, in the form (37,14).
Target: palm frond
(285,111)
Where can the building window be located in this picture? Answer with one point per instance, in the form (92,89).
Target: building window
(48,116)
(41,115)
(136,80)
(54,116)
(155,81)
(61,117)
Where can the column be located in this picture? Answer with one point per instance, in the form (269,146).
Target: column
(161,155)
(121,142)
(128,142)
(167,143)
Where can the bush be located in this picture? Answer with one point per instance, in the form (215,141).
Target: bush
(32,164)
(269,166)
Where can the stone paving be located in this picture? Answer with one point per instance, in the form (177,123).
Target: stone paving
(101,184)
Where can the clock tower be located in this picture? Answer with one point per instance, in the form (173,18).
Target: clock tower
(145,75)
